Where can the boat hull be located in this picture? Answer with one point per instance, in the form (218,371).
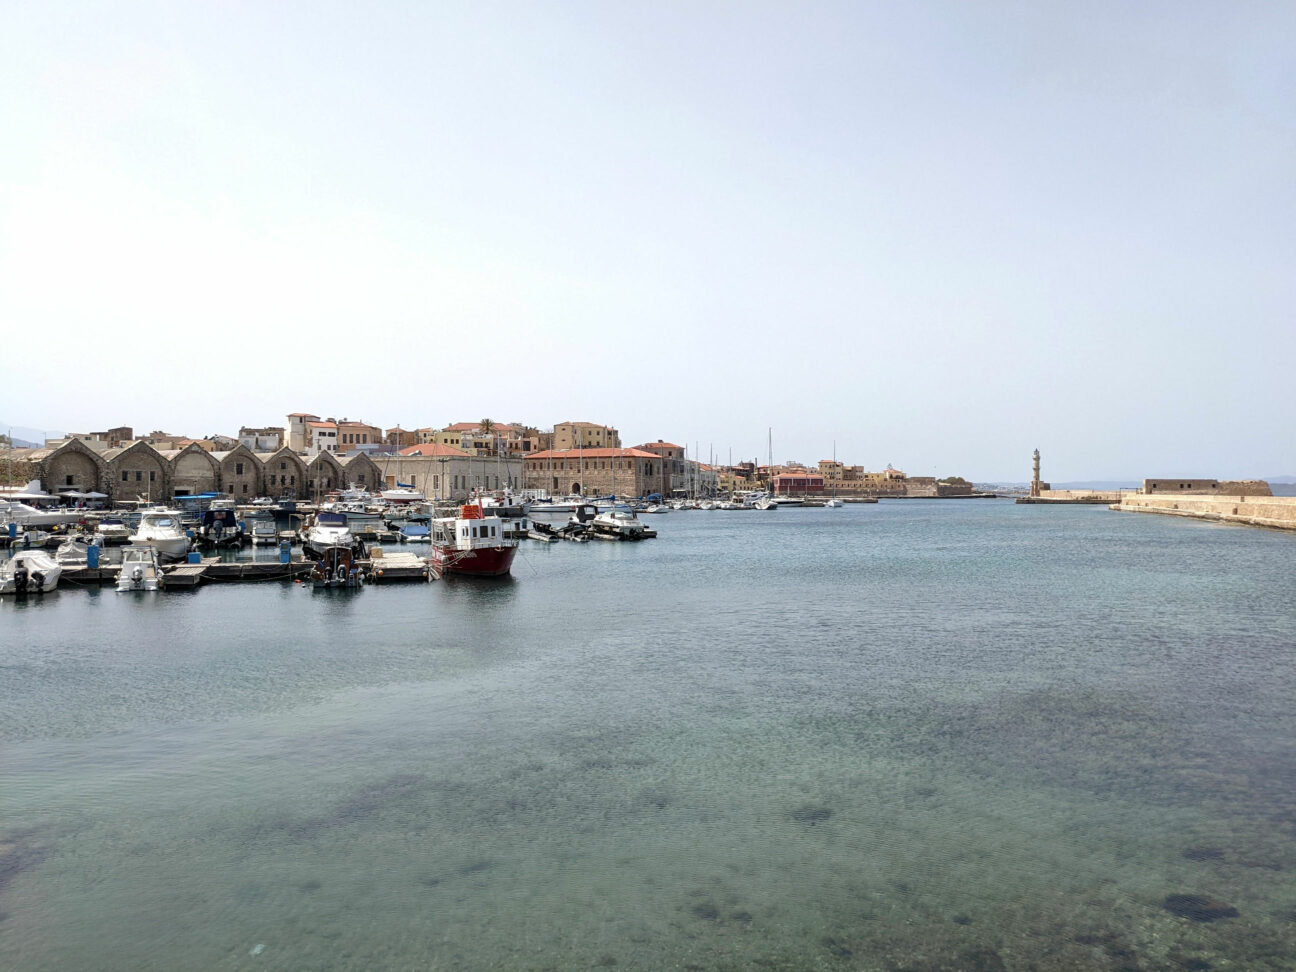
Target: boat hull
(481,562)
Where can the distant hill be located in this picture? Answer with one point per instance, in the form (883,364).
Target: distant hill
(1284,480)
(27,438)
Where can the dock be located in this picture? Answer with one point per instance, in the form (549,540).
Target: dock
(387,568)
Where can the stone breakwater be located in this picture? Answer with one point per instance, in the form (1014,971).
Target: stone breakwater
(1275,512)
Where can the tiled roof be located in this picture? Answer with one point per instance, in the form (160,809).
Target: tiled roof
(593,454)
(435,449)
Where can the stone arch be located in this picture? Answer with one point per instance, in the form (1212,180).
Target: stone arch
(323,476)
(73,465)
(193,471)
(363,472)
(138,470)
(240,473)
(285,474)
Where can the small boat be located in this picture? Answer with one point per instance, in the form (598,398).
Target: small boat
(113,531)
(405,494)
(73,552)
(160,529)
(415,533)
(260,527)
(29,572)
(337,566)
(472,543)
(833,504)
(140,569)
(622,526)
(325,530)
(220,528)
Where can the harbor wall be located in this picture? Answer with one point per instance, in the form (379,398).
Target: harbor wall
(1093,496)
(1275,512)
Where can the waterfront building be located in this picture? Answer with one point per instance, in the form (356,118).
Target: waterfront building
(323,476)
(240,473)
(71,464)
(359,469)
(594,472)
(138,472)
(193,470)
(447,473)
(284,473)
(1207,487)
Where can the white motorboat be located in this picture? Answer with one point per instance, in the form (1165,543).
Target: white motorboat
(162,530)
(140,570)
(625,526)
(324,531)
(17,510)
(29,572)
(264,530)
(402,495)
(113,530)
(833,504)
(74,551)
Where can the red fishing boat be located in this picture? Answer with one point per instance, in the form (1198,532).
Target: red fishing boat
(472,543)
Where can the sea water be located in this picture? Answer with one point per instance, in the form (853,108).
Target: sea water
(912,735)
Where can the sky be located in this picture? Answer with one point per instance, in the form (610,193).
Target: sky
(936,235)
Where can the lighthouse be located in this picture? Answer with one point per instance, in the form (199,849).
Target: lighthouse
(1036,486)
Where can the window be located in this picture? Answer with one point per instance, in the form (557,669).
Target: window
(152,475)
(292,480)
(238,469)
(139,476)
(283,465)
(125,476)
(67,481)
(244,487)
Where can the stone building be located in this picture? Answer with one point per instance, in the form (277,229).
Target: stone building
(445,473)
(594,472)
(362,471)
(261,440)
(323,475)
(399,438)
(138,471)
(299,430)
(1207,487)
(194,470)
(70,465)
(240,473)
(584,435)
(284,474)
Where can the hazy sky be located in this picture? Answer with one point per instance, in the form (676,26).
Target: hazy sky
(935,234)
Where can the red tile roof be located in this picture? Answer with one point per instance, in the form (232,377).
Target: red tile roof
(593,454)
(435,449)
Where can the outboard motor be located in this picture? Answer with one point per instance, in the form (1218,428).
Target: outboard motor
(38,581)
(20,580)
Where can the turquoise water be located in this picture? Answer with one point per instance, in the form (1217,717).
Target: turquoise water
(923,735)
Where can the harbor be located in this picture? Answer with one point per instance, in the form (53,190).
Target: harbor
(698,750)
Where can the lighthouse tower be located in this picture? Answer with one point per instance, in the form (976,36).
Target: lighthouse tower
(1036,486)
